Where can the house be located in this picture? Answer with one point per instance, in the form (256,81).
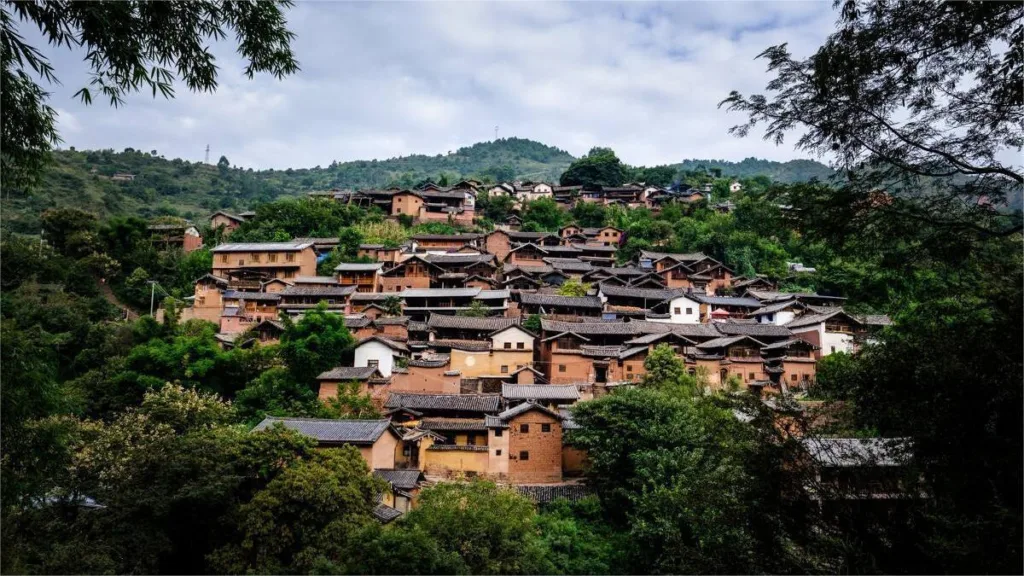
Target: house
(368,377)
(543,303)
(123,177)
(505,351)
(526,442)
(721,307)
(226,221)
(268,331)
(184,237)
(498,243)
(379,252)
(376,440)
(380,353)
(735,186)
(538,238)
(206,298)
(683,309)
(244,309)
(365,277)
(790,364)
(420,303)
(406,202)
(426,376)
(596,254)
(779,313)
(607,236)
(414,272)
(566,232)
(455,270)
(247,265)
(550,395)
(861,471)
(835,331)
(448,327)
(653,299)
(528,254)
(299,298)
(405,487)
(737,357)
(446,242)
(360,325)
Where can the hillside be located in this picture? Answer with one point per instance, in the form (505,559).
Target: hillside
(82,179)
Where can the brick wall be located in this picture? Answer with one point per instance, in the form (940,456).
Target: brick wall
(498,244)
(399,283)
(577,368)
(544,449)
(426,380)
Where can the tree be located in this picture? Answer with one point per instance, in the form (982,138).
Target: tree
(314,344)
(574,287)
(130,46)
(392,305)
(923,115)
(302,519)
(477,309)
(663,368)
(600,167)
(544,214)
(590,214)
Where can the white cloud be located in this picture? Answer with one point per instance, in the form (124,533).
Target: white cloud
(389,79)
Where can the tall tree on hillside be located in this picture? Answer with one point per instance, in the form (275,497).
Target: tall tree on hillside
(918,98)
(130,46)
(600,167)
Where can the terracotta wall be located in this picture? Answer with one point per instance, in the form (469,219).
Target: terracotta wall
(399,283)
(574,461)
(577,368)
(444,462)
(426,380)
(406,204)
(476,364)
(544,449)
(499,245)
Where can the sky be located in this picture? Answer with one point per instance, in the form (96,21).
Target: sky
(381,80)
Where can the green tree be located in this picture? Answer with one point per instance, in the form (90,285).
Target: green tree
(476,309)
(314,344)
(392,305)
(600,167)
(544,214)
(574,287)
(590,214)
(663,367)
(130,47)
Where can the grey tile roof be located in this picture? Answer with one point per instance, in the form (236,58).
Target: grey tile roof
(385,514)
(768,330)
(460,402)
(348,373)
(678,257)
(263,247)
(530,236)
(545,269)
(725,301)
(439,362)
(569,264)
(526,407)
(547,493)
(457,448)
(252,296)
(318,291)
(594,248)
(401,479)
(358,267)
(315,280)
(782,345)
(623,271)
(392,321)
(540,299)
(472,345)
(386,341)
(486,324)
(651,294)
(568,422)
(539,392)
(493,294)
(776,307)
(331,431)
(453,424)
(453,237)
(459,259)
(850,452)
(720,342)
(357,321)
(439,292)
(371,296)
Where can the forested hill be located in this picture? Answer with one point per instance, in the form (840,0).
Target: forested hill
(82,179)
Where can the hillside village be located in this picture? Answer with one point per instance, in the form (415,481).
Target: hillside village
(475,346)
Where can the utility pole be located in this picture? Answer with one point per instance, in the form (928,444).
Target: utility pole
(495,133)
(207,161)
(152,294)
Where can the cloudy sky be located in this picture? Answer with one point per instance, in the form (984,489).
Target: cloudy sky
(388,79)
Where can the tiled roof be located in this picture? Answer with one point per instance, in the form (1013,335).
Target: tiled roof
(418,326)
(725,301)
(776,307)
(453,237)
(357,321)
(683,257)
(493,294)
(331,431)
(263,247)
(370,296)
(545,269)
(539,392)
(348,373)
(401,479)
(457,448)
(539,299)
(358,267)
(385,341)
(471,345)
(546,493)
(623,271)
(584,328)
(736,328)
(252,296)
(384,513)
(486,324)
(315,280)
(452,424)
(439,292)
(392,321)
(651,294)
(600,351)
(463,259)
(875,320)
(460,402)
(526,407)
(318,291)
(849,452)
(720,342)
(568,422)
(438,362)
(569,264)
(530,236)
(787,343)
(595,248)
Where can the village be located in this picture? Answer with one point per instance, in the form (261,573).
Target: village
(470,347)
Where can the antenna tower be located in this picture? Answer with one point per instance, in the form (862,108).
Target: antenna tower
(495,133)
(207,161)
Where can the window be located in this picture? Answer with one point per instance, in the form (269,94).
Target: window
(629,367)
(497,452)
(289,257)
(794,378)
(271,257)
(524,455)
(833,349)
(508,345)
(545,427)
(498,432)
(770,317)
(504,369)
(256,258)
(223,258)
(751,376)
(520,345)
(677,311)
(689,310)
(561,367)
(629,376)
(373,363)
(289,273)
(524,428)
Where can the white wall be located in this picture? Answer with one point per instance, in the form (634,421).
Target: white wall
(514,336)
(374,350)
(683,303)
(842,342)
(778,318)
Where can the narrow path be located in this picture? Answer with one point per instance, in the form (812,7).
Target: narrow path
(126,312)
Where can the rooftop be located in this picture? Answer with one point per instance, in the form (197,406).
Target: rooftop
(456,402)
(539,392)
(331,431)
(263,247)
(348,373)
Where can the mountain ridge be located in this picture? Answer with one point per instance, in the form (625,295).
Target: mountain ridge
(176,187)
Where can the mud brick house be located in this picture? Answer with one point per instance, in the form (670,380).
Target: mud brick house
(527,277)
(550,395)
(447,327)
(567,232)
(547,239)
(243,309)
(426,376)
(718,307)
(811,299)
(498,243)
(184,237)
(446,242)
(414,272)
(596,254)
(322,246)
(368,377)
(780,313)
(297,299)
(365,277)
(607,236)
(655,300)
(529,437)
(379,252)
(376,440)
(247,265)
(623,276)
(790,364)
(360,325)
(419,304)
(571,267)
(392,327)
(226,221)
(732,356)
(542,303)
(456,269)
(526,255)
(405,487)
(408,406)
(869,472)
(207,302)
